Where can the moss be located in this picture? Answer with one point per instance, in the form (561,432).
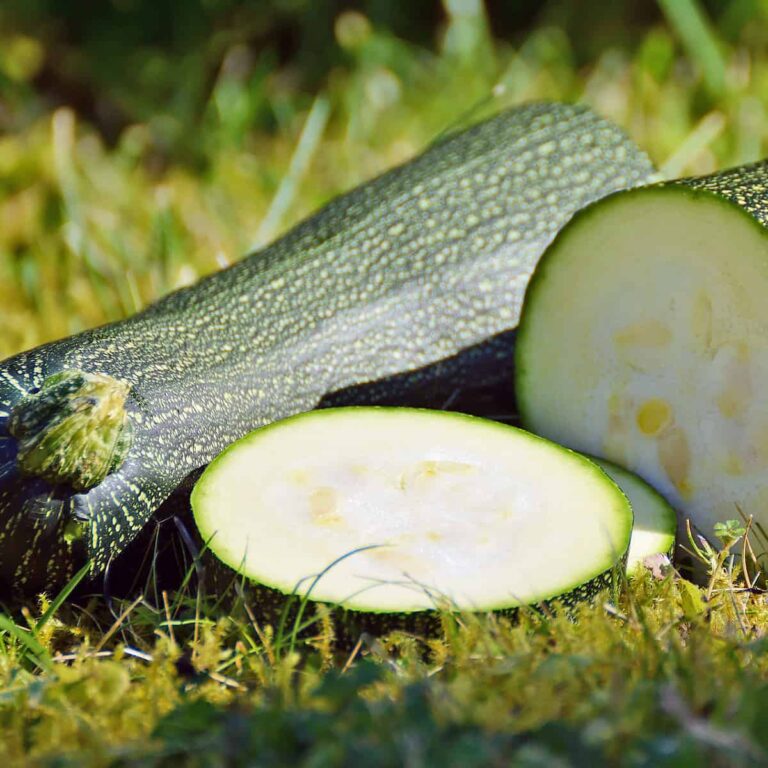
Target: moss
(612,678)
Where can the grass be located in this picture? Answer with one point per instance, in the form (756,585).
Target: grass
(664,673)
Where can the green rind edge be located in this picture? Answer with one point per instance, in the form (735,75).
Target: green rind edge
(668,514)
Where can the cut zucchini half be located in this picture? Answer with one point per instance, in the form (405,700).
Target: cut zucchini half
(644,340)
(432,508)
(655,526)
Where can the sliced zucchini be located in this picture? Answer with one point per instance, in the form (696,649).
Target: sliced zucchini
(644,339)
(451,507)
(655,524)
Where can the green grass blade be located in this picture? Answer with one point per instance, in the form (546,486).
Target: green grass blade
(58,601)
(699,40)
(34,651)
(315,581)
(308,143)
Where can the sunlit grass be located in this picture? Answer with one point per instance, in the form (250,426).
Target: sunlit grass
(653,667)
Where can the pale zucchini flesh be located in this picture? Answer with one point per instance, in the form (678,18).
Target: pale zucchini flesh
(644,339)
(458,512)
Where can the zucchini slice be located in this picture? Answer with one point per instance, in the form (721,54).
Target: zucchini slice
(655,522)
(452,507)
(644,339)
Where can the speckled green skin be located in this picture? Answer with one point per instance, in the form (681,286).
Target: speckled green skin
(747,186)
(349,625)
(407,269)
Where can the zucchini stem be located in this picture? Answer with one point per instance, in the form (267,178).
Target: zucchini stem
(74,430)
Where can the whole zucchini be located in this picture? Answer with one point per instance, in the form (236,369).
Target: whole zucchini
(96,430)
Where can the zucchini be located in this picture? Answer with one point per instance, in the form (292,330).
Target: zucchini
(655,522)
(408,269)
(432,508)
(644,339)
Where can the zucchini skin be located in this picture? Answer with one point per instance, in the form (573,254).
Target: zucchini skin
(408,269)
(275,607)
(746,186)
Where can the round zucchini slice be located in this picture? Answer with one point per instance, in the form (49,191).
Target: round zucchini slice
(431,509)
(655,526)
(644,340)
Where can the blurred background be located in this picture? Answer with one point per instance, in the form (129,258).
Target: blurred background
(144,143)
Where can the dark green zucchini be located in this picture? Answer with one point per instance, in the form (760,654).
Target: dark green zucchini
(406,270)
